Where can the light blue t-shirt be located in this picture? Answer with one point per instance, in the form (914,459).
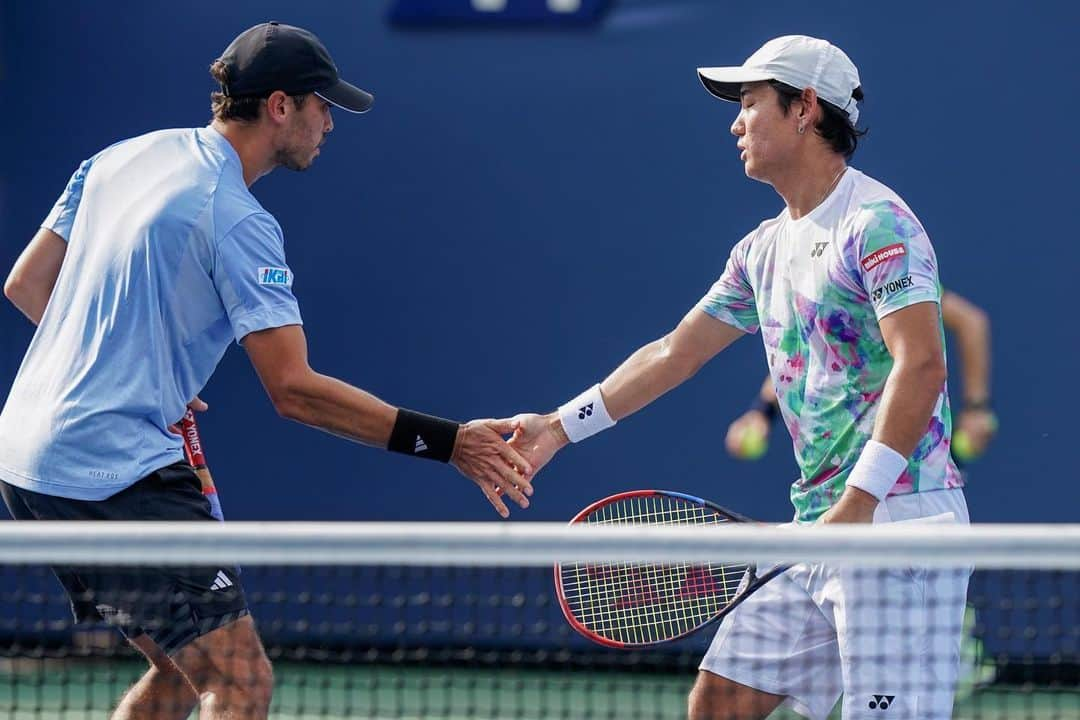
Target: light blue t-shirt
(169,259)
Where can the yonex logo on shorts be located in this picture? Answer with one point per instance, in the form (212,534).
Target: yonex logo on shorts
(888,252)
(275,276)
(881,702)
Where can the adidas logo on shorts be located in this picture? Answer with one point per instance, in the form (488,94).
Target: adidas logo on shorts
(221,582)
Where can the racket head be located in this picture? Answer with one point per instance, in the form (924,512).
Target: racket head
(635,605)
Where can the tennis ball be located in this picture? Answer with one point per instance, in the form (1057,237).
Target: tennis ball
(752,445)
(962,449)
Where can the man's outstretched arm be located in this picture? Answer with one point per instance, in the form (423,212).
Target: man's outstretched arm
(476,448)
(647,374)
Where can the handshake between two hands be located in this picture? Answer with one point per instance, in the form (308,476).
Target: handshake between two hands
(505,468)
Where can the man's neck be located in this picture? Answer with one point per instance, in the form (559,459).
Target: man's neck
(251,145)
(806,185)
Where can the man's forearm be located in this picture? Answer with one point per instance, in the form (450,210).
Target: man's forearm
(646,375)
(908,400)
(336,407)
(29,303)
(975,357)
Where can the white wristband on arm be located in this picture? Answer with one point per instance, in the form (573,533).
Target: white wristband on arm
(585,415)
(877,469)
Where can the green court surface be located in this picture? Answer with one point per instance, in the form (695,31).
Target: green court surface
(36,690)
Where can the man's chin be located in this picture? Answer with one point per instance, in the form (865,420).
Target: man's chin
(753,172)
(299,166)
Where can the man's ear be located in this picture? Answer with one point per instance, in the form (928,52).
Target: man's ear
(808,102)
(276,105)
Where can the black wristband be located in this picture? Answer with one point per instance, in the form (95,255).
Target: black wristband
(423,436)
(768,409)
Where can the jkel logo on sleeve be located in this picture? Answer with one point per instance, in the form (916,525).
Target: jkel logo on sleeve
(275,276)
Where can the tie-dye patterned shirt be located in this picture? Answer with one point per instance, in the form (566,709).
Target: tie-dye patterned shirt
(817,287)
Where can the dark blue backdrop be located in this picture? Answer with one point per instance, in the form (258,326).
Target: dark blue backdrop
(522,209)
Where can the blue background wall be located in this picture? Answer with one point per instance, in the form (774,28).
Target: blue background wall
(522,209)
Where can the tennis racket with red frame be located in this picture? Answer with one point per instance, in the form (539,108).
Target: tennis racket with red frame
(196,457)
(636,605)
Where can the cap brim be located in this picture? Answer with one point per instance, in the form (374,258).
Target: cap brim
(347,97)
(726,82)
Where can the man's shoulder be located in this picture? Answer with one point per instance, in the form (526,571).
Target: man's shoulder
(873,204)
(764,232)
(149,141)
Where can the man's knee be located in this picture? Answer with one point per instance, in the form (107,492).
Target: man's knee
(717,698)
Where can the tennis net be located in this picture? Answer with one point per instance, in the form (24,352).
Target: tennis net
(456,621)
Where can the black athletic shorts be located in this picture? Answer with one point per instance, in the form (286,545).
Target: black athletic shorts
(172,605)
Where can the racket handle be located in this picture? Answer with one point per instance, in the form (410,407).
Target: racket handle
(193,448)
(193,451)
(215,504)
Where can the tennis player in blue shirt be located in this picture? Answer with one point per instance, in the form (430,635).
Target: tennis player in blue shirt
(153,260)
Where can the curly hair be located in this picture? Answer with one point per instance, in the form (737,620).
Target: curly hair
(241,109)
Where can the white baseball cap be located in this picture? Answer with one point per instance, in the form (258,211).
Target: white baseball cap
(796,60)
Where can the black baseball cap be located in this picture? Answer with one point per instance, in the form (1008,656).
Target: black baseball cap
(273,56)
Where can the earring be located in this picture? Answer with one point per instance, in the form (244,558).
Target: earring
(802,129)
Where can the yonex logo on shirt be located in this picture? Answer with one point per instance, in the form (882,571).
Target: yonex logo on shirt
(275,276)
(892,286)
(888,252)
(819,249)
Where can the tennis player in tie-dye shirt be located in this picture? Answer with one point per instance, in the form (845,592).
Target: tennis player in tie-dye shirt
(816,287)
(843,286)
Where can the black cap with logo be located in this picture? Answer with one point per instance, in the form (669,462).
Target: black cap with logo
(273,56)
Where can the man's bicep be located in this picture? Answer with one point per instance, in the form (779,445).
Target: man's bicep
(30,283)
(913,332)
(40,261)
(701,336)
(252,278)
(892,259)
(279,356)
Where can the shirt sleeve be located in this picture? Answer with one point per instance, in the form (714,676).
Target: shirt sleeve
(253,279)
(62,216)
(731,298)
(893,259)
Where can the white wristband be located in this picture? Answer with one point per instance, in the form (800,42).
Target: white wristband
(585,415)
(877,469)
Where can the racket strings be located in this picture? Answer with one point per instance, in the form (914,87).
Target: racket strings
(638,603)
